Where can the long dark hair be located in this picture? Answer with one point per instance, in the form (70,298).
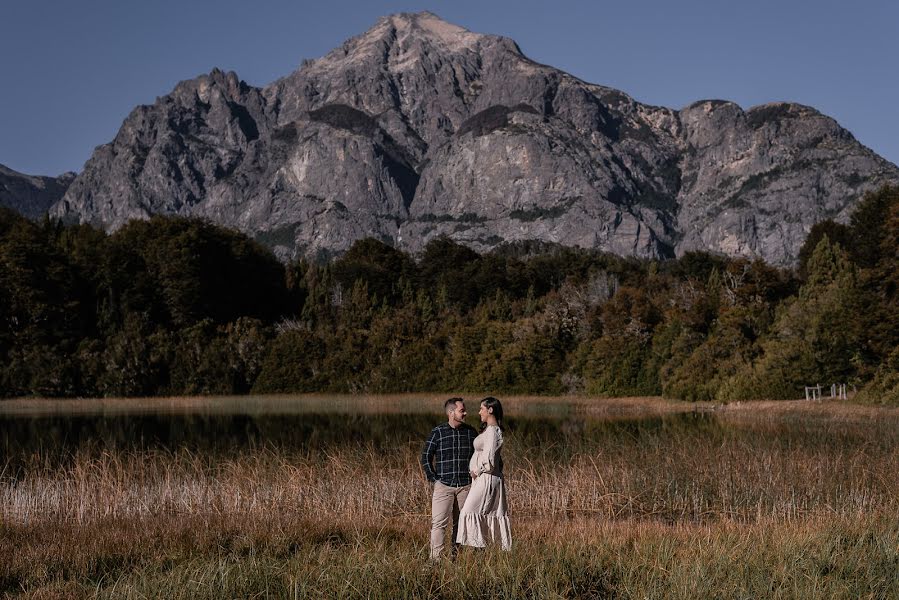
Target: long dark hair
(496,405)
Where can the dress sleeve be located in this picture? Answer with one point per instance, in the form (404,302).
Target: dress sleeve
(493,441)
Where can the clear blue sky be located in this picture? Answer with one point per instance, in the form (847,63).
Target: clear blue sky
(72,71)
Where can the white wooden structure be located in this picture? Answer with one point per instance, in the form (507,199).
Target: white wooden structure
(837,391)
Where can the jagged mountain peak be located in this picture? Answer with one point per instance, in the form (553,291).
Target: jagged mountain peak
(419,128)
(217,83)
(417,31)
(431,27)
(397,42)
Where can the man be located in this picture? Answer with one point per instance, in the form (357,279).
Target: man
(452,444)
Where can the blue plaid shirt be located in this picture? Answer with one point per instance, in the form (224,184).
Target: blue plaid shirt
(453,448)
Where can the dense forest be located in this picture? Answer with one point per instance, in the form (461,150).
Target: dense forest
(172,306)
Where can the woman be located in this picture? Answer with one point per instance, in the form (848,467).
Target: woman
(483,518)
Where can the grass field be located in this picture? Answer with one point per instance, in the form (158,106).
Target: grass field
(322,496)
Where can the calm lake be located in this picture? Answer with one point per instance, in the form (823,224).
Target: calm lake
(50,433)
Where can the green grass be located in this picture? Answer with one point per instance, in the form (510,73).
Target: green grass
(277,557)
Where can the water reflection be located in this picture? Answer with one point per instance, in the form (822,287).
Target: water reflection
(55,437)
(53,433)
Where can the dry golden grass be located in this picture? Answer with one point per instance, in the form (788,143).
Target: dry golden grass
(427,403)
(656,482)
(430,403)
(609,498)
(746,462)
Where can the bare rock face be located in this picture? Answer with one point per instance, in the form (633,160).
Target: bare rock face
(31,195)
(167,156)
(755,182)
(419,128)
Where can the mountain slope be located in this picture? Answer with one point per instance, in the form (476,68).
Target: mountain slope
(29,194)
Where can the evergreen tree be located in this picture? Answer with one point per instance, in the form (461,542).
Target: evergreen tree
(868,225)
(815,338)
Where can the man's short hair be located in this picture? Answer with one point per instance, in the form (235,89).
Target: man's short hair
(450,405)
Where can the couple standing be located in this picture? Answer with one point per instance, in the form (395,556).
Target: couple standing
(467,472)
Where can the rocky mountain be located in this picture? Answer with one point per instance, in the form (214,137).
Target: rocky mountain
(419,128)
(29,194)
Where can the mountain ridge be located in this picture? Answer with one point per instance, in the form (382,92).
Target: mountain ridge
(419,128)
(31,195)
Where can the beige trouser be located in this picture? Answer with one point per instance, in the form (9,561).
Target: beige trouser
(445,505)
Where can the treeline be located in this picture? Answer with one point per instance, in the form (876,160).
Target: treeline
(172,306)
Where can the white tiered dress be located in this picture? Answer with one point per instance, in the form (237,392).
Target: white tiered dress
(483,519)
